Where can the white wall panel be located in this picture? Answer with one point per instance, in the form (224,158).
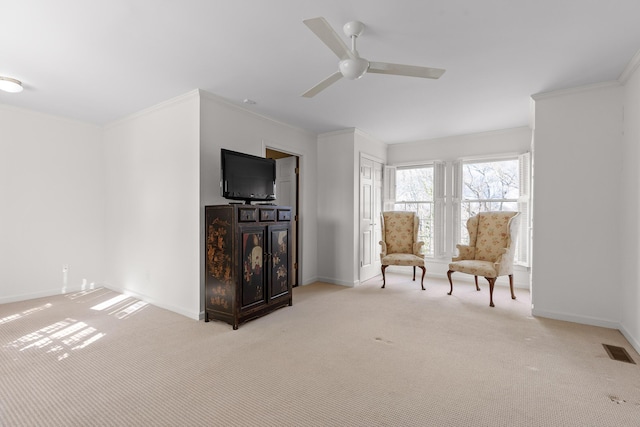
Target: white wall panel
(576,205)
(153,205)
(52,195)
(630,213)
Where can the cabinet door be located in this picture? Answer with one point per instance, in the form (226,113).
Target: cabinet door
(219,272)
(252,266)
(280,251)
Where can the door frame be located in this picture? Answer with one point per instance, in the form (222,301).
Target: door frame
(298,251)
(374,244)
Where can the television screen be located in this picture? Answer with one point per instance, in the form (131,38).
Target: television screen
(246,177)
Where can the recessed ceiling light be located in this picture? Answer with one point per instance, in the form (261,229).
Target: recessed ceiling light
(8,84)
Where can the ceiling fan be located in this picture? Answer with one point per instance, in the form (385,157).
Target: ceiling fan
(351,65)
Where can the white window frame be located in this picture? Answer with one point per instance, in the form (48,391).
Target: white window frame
(447,182)
(435,235)
(523,200)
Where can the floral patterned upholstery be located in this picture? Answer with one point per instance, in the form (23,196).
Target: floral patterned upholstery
(399,244)
(490,251)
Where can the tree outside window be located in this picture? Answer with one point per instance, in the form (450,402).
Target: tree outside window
(478,186)
(414,192)
(488,186)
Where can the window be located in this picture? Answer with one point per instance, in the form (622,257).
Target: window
(499,184)
(487,186)
(414,192)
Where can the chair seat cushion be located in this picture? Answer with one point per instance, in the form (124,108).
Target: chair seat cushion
(402,259)
(477,268)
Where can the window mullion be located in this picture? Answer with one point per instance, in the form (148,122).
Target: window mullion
(439,221)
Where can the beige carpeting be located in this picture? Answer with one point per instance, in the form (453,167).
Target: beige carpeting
(339,356)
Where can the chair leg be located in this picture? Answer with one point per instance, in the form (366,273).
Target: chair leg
(492,281)
(513,296)
(476,279)
(383,279)
(424,271)
(450,282)
(414,273)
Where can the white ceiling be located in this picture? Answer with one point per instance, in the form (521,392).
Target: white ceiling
(98,61)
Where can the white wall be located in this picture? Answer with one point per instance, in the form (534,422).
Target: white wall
(485,144)
(153,205)
(53,194)
(630,214)
(336,224)
(338,202)
(577,200)
(224,125)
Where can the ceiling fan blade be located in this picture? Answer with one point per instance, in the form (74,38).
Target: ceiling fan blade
(323,85)
(405,70)
(323,30)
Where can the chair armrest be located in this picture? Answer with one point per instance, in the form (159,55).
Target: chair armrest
(465,252)
(504,263)
(416,248)
(383,249)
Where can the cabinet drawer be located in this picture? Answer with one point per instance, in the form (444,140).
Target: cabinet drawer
(284,215)
(247,215)
(267,215)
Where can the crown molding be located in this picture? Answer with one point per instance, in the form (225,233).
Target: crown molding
(631,67)
(337,132)
(162,105)
(228,103)
(49,116)
(575,90)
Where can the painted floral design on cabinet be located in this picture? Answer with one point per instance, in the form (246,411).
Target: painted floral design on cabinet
(219,264)
(252,267)
(280,260)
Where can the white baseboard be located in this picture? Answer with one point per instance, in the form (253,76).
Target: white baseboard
(593,321)
(635,343)
(338,282)
(310,281)
(585,320)
(47,293)
(195,315)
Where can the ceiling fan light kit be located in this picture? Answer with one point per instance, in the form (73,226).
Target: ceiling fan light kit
(353,68)
(351,65)
(10,85)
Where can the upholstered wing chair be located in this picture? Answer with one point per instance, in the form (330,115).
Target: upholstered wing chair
(399,242)
(490,252)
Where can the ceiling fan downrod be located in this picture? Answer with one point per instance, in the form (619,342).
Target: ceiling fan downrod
(356,67)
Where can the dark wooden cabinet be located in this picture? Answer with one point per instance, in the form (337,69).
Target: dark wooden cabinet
(247,261)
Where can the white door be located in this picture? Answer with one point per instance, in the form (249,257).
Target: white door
(286,195)
(370,209)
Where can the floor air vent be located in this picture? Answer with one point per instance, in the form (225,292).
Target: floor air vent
(618,353)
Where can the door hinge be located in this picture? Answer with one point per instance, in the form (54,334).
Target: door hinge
(295,265)
(297,171)
(295,217)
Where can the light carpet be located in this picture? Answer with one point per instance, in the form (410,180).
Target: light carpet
(339,356)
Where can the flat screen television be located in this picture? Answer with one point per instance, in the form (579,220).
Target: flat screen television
(246,177)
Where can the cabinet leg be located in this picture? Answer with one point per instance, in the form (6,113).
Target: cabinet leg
(206,316)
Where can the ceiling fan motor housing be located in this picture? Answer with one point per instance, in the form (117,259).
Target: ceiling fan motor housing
(353,68)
